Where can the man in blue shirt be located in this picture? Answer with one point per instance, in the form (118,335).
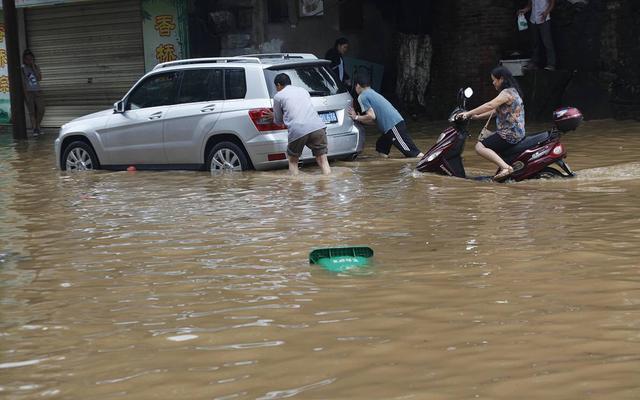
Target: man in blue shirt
(378,109)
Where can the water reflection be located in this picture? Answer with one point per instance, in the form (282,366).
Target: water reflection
(135,285)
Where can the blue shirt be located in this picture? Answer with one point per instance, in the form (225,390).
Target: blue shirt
(386,115)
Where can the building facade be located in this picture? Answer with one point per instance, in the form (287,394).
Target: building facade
(92,51)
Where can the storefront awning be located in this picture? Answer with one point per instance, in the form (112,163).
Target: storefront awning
(39,3)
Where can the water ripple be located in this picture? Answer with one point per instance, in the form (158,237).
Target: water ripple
(117,284)
(283,394)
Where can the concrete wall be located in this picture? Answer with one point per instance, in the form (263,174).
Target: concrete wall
(374,42)
(597,46)
(620,56)
(216,30)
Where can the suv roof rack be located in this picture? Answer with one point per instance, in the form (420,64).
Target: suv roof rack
(249,59)
(283,56)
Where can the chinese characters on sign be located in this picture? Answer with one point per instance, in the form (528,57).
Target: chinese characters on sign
(4,84)
(5,100)
(3,58)
(164,28)
(166,53)
(164,25)
(4,79)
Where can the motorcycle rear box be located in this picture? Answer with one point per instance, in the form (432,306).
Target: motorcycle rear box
(567,119)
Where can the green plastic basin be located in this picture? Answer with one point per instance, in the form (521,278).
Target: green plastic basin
(338,259)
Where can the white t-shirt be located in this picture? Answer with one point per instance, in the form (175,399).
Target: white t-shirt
(292,105)
(537,8)
(30,79)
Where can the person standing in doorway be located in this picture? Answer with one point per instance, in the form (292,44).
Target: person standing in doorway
(335,55)
(31,77)
(541,33)
(379,110)
(292,106)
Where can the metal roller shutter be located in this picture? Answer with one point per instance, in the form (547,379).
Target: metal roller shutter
(89,54)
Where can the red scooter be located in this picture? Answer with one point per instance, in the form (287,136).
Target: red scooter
(540,155)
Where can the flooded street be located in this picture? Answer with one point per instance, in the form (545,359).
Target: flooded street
(183,285)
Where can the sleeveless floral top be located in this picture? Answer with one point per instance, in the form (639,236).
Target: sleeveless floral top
(510,118)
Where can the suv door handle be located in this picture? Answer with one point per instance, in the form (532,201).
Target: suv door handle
(156,115)
(208,108)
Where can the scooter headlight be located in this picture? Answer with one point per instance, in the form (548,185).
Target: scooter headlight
(433,156)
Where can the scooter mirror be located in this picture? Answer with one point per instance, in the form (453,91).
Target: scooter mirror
(468,92)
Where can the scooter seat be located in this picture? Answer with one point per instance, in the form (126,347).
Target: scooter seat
(527,142)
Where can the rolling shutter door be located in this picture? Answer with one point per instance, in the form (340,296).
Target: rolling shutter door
(90,54)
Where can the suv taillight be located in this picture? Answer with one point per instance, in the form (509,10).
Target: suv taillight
(261,120)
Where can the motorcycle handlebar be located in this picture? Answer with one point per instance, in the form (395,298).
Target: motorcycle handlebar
(456,116)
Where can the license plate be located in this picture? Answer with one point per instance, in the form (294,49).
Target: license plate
(329,117)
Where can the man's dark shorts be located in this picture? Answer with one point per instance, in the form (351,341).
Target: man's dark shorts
(496,143)
(316,141)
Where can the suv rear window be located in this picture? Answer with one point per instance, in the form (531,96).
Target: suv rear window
(315,78)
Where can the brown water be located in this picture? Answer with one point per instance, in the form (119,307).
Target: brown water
(180,285)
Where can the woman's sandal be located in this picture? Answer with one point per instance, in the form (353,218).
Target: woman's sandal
(504,172)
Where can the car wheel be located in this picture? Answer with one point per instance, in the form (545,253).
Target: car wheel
(79,156)
(227,156)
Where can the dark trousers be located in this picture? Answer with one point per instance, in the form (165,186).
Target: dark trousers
(398,136)
(542,41)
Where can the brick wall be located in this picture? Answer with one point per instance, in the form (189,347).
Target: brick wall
(469,38)
(597,46)
(620,61)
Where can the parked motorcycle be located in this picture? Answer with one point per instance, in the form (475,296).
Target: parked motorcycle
(540,155)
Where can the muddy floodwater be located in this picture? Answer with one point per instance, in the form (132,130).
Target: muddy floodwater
(184,285)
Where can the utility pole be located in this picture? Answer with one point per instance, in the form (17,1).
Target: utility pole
(15,72)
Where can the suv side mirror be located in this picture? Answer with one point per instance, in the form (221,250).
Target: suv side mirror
(118,107)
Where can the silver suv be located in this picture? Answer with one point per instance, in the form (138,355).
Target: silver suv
(208,113)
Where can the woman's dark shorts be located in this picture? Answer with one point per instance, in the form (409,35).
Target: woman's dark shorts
(316,141)
(496,143)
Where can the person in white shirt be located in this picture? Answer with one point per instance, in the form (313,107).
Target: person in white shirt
(292,107)
(541,32)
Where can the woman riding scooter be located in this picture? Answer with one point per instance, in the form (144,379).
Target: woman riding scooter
(509,110)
